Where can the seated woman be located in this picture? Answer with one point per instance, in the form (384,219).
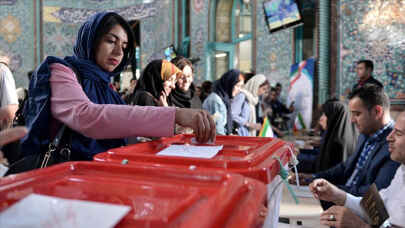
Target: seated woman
(97,116)
(339,140)
(184,95)
(218,103)
(156,83)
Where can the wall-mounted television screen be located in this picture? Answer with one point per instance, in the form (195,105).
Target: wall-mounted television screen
(282,14)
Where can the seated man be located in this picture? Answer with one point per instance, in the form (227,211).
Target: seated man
(371,163)
(279,110)
(352,215)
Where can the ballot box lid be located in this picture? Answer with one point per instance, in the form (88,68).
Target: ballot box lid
(158,197)
(254,157)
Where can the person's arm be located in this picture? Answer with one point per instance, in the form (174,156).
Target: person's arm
(70,105)
(353,203)
(238,112)
(9,98)
(7,114)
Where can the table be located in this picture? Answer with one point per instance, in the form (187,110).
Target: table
(307,212)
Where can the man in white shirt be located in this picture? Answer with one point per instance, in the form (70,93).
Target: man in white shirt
(8,94)
(350,213)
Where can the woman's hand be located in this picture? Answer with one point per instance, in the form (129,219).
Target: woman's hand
(199,120)
(163,99)
(323,190)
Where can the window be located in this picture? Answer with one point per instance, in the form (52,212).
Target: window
(230,43)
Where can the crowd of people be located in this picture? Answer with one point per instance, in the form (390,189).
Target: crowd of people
(359,143)
(82,93)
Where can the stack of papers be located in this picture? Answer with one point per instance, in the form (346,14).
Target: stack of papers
(46,211)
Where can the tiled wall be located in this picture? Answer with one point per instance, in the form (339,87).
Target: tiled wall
(274,55)
(17,38)
(18,27)
(199,36)
(156,23)
(389,60)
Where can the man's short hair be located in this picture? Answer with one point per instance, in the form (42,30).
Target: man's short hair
(368,63)
(371,95)
(278,84)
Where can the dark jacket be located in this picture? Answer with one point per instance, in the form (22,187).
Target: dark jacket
(370,80)
(378,169)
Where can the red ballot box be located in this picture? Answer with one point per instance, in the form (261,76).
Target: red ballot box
(250,156)
(158,197)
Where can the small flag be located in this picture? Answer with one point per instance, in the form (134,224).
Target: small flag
(266,130)
(299,122)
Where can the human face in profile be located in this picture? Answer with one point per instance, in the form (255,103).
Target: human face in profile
(363,73)
(396,140)
(111,49)
(238,86)
(365,120)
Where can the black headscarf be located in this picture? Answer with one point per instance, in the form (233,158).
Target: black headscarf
(182,99)
(340,138)
(150,83)
(223,88)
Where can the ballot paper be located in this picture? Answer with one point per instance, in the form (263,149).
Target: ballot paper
(45,211)
(302,191)
(191,151)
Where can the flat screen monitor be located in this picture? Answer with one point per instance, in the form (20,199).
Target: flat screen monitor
(281,14)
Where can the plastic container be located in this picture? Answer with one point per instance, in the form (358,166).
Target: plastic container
(250,156)
(158,197)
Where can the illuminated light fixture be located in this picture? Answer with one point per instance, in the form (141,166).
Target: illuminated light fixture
(220,55)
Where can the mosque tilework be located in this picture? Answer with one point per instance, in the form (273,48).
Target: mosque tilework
(156,32)
(389,60)
(274,54)
(199,37)
(17,39)
(63,35)
(17,33)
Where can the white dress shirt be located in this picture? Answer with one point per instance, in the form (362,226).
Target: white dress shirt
(393,197)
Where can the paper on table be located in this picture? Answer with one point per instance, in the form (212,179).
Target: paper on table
(191,151)
(45,211)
